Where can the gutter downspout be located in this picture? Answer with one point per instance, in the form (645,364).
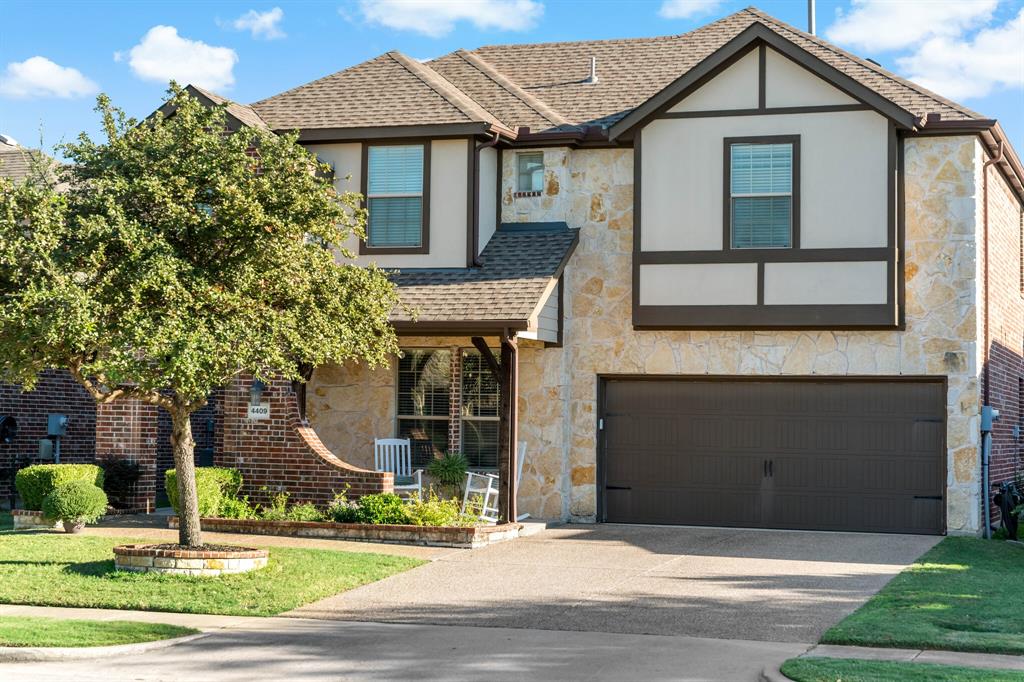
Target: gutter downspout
(988,415)
(475,261)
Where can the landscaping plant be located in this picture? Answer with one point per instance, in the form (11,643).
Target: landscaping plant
(119,478)
(342,510)
(449,471)
(237,508)
(434,511)
(386,508)
(305,511)
(35,482)
(214,485)
(75,504)
(179,257)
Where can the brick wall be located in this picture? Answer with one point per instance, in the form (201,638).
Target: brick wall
(1006,326)
(127,429)
(283,452)
(204,429)
(56,393)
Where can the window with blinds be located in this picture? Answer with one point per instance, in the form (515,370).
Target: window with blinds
(480,400)
(394,196)
(761,180)
(424,401)
(530,171)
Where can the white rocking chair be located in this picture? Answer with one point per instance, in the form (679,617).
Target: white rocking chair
(395,455)
(485,486)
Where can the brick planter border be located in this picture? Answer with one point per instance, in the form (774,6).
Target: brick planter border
(147,558)
(470,537)
(26,519)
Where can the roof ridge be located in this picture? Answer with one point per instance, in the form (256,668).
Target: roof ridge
(880,70)
(510,86)
(446,89)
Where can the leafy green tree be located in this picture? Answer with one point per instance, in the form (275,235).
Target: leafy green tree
(177,256)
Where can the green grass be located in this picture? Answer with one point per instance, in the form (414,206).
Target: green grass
(29,631)
(963,595)
(51,569)
(852,670)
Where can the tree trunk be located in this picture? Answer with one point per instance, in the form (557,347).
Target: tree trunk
(189,533)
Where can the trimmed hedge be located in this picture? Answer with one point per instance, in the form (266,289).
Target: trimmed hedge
(76,501)
(213,484)
(35,482)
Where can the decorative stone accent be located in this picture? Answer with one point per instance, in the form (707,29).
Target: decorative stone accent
(468,537)
(27,519)
(149,558)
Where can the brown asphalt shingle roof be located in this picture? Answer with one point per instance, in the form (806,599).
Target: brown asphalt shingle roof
(543,86)
(245,114)
(18,163)
(519,266)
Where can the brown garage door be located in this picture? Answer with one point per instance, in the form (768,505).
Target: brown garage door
(808,454)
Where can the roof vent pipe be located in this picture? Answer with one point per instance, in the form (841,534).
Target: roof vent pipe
(592,78)
(810,17)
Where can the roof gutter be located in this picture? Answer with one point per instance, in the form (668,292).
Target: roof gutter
(993,137)
(474,259)
(591,135)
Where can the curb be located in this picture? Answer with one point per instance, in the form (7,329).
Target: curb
(771,674)
(40,654)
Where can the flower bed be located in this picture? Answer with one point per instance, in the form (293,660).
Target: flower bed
(206,561)
(471,537)
(25,519)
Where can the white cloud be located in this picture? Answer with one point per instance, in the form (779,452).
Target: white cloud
(163,55)
(437,18)
(261,24)
(39,77)
(880,25)
(961,68)
(684,9)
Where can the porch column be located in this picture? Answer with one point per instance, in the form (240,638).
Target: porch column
(506,372)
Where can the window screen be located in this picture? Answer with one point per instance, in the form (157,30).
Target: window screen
(480,401)
(424,394)
(761,178)
(531,171)
(394,196)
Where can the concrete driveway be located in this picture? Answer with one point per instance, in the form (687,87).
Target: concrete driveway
(780,586)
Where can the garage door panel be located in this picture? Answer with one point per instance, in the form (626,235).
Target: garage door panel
(844,455)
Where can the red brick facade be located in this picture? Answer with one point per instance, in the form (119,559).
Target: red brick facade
(283,453)
(1005,302)
(127,429)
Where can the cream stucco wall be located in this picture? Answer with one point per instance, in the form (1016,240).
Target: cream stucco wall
(449,187)
(787,84)
(735,88)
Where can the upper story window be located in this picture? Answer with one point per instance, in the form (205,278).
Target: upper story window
(394,196)
(761,177)
(530,171)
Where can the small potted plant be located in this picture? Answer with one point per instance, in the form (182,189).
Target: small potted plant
(75,504)
(449,472)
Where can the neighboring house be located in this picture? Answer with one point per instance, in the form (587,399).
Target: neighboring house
(737,277)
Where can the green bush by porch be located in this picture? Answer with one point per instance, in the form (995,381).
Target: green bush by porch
(854,670)
(25,631)
(213,484)
(35,482)
(72,570)
(962,595)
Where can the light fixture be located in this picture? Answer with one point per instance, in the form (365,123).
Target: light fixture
(256,392)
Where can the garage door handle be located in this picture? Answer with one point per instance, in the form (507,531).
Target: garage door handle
(618,487)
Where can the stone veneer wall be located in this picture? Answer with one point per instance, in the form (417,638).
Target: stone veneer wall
(592,190)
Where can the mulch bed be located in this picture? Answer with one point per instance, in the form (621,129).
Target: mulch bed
(201,548)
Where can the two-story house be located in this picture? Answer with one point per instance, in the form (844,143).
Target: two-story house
(734,277)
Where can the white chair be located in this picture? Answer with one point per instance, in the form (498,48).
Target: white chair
(486,487)
(395,455)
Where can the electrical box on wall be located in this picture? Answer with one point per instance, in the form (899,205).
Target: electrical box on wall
(57,425)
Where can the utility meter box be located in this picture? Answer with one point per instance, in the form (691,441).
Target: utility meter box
(57,425)
(46,449)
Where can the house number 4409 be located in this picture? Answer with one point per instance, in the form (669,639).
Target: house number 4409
(261,411)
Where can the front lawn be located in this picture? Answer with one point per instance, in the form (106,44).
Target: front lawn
(853,670)
(53,569)
(963,595)
(29,631)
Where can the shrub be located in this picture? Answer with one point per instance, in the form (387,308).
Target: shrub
(435,511)
(277,510)
(76,501)
(119,477)
(449,471)
(236,508)
(35,482)
(342,510)
(306,511)
(386,508)
(213,484)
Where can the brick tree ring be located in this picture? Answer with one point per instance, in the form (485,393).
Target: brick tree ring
(210,560)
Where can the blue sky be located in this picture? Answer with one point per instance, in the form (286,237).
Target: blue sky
(55,56)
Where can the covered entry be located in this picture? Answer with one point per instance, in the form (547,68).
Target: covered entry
(825,454)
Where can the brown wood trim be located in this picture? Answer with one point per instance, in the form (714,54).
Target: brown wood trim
(878,253)
(901,233)
(750,317)
(456,327)
(364,248)
(637,219)
(488,355)
(762,78)
(497,200)
(410,132)
(472,190)
(727,187)
(716,113)
(760,282)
